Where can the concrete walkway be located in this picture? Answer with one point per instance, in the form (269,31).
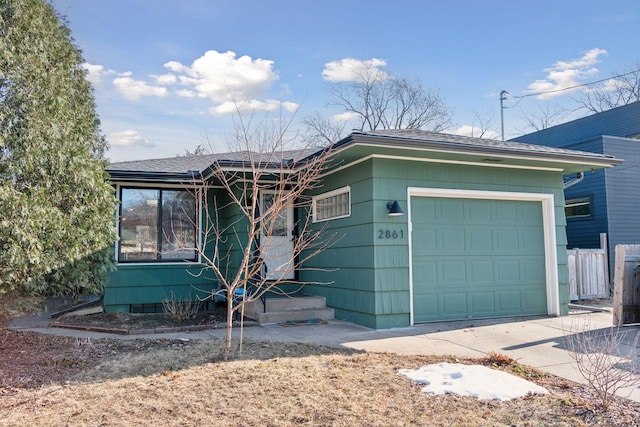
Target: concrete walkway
(536,341)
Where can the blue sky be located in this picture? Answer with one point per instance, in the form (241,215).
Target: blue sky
(163,70)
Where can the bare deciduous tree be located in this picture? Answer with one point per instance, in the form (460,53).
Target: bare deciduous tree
(544,117)
(603,362)
(483,123)
(622,89)
(241,224)
(322,131)
(377,100)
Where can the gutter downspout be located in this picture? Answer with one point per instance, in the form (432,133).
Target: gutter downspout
(79,306)
(579,177)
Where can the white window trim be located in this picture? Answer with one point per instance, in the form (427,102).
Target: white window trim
(341,190)
(548,225)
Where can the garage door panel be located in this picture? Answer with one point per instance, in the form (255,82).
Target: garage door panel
(479,210)
(451,240)
(481,271)
(452,272)
(452,209)
(508,271)
(427,271)
(454,304)
(505,213)
(429,307)
(480,240)
(509,301)
(477,258)
(531,300)
(532,240)
(506,240)
(427,242)
(533,270)
(483,303)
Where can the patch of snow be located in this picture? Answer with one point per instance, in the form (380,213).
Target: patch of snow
(471,380)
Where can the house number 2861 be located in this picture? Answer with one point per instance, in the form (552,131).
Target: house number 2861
(390,234)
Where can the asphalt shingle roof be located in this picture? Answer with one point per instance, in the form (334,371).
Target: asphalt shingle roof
(388,137)
(199,163)
(471,142)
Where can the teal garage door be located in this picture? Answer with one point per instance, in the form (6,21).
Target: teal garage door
(477,258)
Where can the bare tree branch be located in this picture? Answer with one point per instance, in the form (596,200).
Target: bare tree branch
(376,100)
(240,223)
(622,89)
(546,116)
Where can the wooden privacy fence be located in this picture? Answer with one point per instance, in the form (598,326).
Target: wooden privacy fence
(589,272)
(626,293)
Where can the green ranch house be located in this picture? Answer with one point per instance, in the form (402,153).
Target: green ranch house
(434,227)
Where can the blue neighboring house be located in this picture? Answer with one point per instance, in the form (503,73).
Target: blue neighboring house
(605,201)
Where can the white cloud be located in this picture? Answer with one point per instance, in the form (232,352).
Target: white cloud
(165,79)
(231,107)
(565,74)
(136,89)
(128,138)
(222,77)
(345,117)
(476,132)
(186,93)
(96,72)
(351,69)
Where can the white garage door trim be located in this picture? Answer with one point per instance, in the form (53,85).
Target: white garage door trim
(548,224)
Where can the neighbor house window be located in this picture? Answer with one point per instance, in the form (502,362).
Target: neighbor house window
(578,208)
(332,205)
(157,225)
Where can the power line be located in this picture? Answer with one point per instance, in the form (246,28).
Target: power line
(570,87)
(504,93)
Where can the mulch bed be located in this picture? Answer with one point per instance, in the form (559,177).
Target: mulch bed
(140,324)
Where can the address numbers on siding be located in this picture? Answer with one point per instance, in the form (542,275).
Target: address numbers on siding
(390,234)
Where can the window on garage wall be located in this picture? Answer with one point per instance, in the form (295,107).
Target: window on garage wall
(332,205)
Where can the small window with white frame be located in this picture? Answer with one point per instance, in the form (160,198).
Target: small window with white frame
(332,205)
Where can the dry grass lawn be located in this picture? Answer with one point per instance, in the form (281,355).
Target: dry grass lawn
(173,383)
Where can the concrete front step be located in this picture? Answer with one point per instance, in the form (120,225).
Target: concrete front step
(283,308)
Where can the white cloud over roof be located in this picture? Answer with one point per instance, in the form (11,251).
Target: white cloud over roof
(351,69)
(221,76)
(232,107)
(128,138)
(476,132)
(566,74)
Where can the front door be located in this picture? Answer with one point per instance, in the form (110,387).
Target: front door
(277,247)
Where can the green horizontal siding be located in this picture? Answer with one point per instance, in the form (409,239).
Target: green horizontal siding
(151,284)
(378,181)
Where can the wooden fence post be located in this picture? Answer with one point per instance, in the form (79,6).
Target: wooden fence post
(626,308)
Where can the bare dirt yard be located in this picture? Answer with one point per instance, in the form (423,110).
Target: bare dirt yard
(48,380)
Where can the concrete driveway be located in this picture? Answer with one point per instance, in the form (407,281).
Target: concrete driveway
(540,342)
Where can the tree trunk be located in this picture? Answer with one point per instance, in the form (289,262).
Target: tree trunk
(227,338)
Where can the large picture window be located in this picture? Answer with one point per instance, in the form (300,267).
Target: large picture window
(157,225)
(332,205)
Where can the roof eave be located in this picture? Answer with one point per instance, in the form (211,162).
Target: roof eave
(597,160)
(164,177)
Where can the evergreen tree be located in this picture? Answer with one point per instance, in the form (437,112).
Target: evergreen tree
(56,205)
